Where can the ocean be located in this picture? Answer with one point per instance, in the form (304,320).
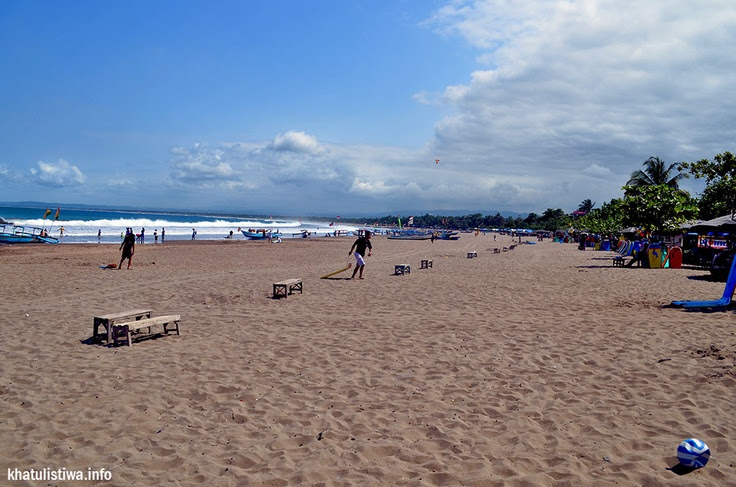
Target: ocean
(82,225)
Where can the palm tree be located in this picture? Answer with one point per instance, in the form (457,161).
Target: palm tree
(586,206)
(656,172)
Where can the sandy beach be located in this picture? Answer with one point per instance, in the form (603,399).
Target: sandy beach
(541,366)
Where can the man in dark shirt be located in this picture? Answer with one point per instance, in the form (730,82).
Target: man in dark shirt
(128,248)
(360,245)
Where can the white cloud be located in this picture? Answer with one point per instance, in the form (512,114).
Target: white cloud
(378,188)
(60,173)
(293,158)
(597,171)
(7,174)
(581,80)
(298,142)
(199,164)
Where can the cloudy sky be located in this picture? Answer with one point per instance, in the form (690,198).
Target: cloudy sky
(343,106)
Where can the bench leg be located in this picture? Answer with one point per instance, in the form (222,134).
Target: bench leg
(279,290)
(118,331)
(176,327)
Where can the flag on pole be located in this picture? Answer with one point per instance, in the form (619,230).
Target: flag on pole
(56,217)
(48,212)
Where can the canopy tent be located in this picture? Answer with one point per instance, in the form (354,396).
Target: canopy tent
(725,221)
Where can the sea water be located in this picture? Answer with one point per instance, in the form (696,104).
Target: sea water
(82,225)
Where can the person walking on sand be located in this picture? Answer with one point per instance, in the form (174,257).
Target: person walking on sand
(360,244)
(128,248)
(163,234)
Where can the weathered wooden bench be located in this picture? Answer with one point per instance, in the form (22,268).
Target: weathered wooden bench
(401,269)
(472,255)
(108,320)
(425,264)
(123,330)
(284,288)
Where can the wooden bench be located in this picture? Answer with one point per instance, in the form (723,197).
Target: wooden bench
(425,264)
(124,329)
(401,269)
(284,288)
(472,255)
(108,320)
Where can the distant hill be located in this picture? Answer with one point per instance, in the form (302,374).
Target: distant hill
(407,213)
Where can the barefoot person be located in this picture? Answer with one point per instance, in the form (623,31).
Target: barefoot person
(128,248)
(360,245)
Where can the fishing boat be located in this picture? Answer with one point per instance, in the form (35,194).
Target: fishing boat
(15,234)
(409,235)
(448,235)
(260,234)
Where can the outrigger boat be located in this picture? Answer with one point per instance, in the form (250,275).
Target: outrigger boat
(409,235)
(260,234)
(448,235)
(17,234)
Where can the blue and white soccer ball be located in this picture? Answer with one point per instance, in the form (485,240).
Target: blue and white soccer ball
(693,453)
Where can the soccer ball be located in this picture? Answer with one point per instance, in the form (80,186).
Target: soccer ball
(693,453)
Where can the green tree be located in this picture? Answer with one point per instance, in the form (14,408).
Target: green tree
(656,172)
(719,196)
(531,221)
(554,219)
(586,206)
(657,208)
(608,219)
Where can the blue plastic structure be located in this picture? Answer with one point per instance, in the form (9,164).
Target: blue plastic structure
(718,303)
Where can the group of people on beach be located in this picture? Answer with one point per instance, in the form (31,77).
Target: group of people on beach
(358,249)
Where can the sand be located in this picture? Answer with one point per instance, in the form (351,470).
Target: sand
(539,366)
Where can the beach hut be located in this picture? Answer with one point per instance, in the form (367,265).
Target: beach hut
(705,239)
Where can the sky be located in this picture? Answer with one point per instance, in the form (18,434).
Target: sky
(333,107)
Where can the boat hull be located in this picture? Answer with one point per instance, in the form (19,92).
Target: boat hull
(19,235)
(409,237)
(259,235)
(15,239)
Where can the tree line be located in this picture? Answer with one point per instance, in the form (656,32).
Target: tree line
(653,200)
(550,220)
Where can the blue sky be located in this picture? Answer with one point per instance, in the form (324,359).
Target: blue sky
(342,107)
